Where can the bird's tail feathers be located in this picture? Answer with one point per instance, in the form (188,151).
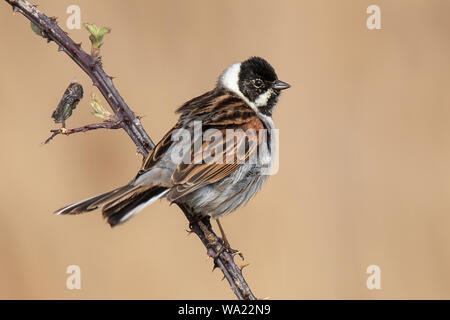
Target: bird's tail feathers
(93,203)
(118,205)
(121,209)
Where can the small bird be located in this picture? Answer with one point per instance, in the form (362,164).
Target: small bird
(241,103)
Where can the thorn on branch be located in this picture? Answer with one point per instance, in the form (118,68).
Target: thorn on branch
(240,254)
(242,266)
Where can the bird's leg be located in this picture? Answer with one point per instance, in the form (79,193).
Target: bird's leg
(225,244)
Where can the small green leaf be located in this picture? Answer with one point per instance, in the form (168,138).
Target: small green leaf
(39,32)
(36,29)
(96,34)
(92,28)
(98,110)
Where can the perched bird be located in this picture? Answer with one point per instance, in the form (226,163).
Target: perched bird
(241,103)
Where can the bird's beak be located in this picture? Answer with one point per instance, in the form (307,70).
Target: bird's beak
(280,85)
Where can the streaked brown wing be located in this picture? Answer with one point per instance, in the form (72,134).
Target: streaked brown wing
(191,176)
(212,102)
(158,152)
(217,111)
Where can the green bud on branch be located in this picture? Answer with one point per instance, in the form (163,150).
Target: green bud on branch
(96,37)
(99,111)
(39,32)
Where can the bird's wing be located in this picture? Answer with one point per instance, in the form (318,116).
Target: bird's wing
(158,152)
(226,154)
(222,113)
(196,108)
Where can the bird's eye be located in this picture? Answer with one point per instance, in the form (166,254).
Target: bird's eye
(257,83)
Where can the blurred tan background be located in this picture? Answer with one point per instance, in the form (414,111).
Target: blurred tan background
(364,151)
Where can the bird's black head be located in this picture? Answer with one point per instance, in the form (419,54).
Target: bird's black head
(256,82)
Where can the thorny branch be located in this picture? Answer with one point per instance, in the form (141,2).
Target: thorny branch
(132,125)
(88,127)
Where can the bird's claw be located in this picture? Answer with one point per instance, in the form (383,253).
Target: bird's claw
(225,247)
